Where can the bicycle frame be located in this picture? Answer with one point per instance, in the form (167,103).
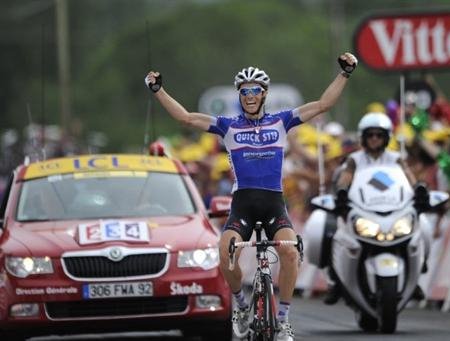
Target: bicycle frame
(264,323)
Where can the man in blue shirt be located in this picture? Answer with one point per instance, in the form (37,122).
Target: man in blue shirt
(255,141)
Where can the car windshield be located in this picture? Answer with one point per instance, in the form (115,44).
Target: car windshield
(104,195)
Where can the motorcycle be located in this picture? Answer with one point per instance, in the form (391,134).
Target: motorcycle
(374,237)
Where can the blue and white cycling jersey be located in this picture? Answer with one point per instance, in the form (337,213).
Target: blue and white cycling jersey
(256,154)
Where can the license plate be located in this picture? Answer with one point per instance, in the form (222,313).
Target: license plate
(112,290)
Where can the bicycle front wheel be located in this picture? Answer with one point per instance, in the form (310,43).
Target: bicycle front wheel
(269,309)
(263,325)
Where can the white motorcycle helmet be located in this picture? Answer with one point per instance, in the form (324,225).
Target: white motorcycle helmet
(252,75)
(376,120)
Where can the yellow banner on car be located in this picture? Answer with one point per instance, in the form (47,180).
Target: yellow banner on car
(100,163)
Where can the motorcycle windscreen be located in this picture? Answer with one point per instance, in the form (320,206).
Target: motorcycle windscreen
(380,188)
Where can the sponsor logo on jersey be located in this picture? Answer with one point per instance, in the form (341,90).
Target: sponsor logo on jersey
(263,138)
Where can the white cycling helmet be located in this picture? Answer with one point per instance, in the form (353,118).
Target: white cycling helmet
(375,120)
(251,75)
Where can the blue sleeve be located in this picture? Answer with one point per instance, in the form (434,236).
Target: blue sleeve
(289,120)
(220,126)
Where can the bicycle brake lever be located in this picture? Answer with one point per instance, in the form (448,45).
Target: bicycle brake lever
(231,252)
(231,264)
(300,247)
(232,246)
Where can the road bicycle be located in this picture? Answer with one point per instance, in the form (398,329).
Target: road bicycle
(263,310)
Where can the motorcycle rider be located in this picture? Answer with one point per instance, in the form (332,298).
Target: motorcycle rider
(255,141)
(374,131)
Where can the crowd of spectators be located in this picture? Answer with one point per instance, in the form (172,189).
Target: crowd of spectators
(40,142)
(424,133)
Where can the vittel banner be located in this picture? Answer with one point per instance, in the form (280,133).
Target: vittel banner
(404,42)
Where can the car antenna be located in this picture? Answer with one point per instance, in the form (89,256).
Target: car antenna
(36,156)
(44,156)
(320,160)
(34,143)
(149,119)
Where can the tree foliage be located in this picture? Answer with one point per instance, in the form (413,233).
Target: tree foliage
(194,44)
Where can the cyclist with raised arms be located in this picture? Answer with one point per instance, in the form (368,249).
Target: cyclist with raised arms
(255,141)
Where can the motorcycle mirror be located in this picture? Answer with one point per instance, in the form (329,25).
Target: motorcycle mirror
(325,201)
(438,197)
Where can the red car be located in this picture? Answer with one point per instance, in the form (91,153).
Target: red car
(109,243)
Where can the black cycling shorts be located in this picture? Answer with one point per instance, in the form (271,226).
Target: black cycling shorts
(251,205)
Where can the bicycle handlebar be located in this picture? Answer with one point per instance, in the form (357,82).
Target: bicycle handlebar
(264,244)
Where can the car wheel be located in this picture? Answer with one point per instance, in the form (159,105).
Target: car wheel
(217,331)
(12,336)
(220,332)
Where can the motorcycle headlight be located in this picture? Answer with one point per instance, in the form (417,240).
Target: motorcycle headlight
(402,227)
(204,258)
(24,266)
(366,228)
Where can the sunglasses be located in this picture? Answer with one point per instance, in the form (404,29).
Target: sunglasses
(378,134)
(254,91)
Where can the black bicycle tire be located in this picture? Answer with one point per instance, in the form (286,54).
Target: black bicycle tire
(269,309)
(268,321)
(255,324)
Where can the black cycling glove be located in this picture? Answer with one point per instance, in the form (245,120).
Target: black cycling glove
(346,67)
(421,197)
(157,85)
(341,200)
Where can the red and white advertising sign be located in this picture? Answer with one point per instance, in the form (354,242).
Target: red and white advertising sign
(404,42)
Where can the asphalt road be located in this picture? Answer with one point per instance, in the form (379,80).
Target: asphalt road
(316,321)
(313,320)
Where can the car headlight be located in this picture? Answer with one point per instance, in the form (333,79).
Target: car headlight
(203,258)
(402,227)
(24,266)
(366,228)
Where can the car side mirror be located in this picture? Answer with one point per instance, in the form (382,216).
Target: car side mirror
(219,206)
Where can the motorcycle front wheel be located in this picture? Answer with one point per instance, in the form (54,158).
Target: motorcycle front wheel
(366,322)
(387,304)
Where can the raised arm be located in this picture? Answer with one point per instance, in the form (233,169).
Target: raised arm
(348,63)
(202,121)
